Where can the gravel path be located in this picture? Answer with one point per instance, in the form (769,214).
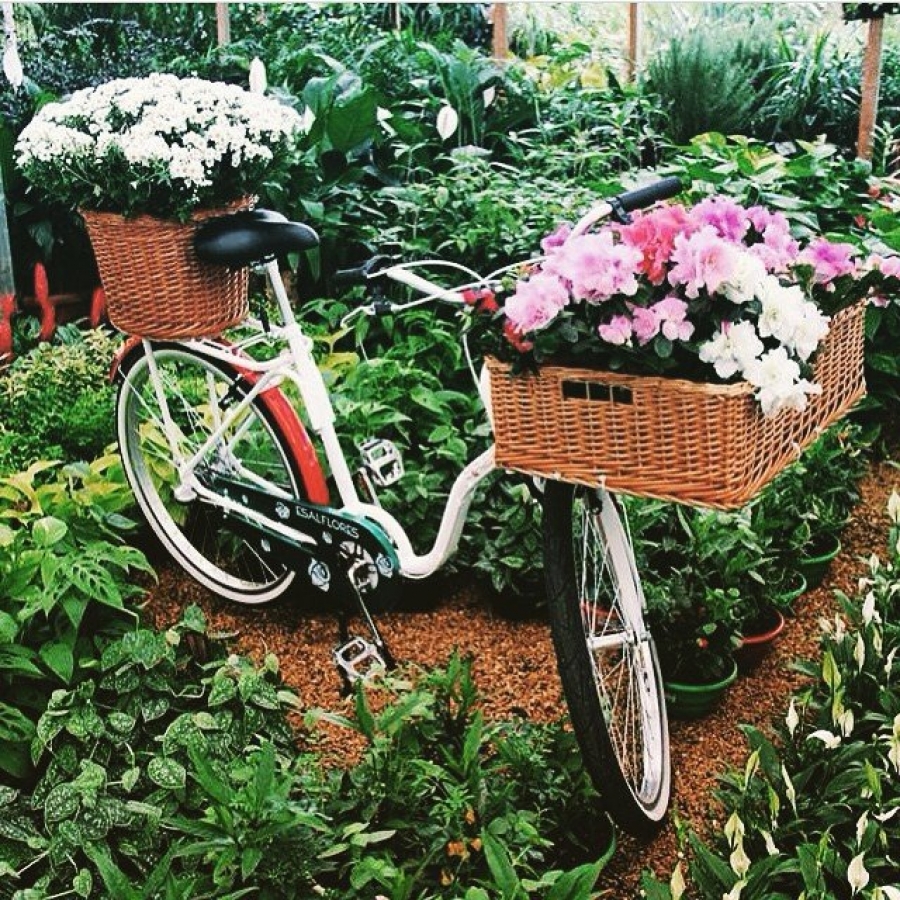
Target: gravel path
(515,668)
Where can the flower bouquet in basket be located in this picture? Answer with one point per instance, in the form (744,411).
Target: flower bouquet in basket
(688,355)
(144,160)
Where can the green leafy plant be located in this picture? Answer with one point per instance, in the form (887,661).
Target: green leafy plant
(56,401)
(64,579)
(812,812)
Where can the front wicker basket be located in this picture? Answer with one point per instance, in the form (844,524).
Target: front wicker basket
(154,284)
(701,444)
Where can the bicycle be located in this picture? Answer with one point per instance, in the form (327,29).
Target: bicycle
(226,474)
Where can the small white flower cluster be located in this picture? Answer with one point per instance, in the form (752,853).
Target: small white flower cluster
(177,131)
(787,317)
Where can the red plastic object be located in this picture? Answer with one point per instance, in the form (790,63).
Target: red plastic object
(7,308)
(98,307)
(42,299)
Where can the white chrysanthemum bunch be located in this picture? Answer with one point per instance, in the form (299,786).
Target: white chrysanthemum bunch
(161,145)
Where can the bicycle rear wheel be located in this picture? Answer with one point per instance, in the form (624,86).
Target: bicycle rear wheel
(197,393)
(605,654)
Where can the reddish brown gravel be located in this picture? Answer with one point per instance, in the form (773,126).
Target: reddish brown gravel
(515,669)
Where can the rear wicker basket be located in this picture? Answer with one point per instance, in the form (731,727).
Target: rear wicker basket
(695,443)
(154,284)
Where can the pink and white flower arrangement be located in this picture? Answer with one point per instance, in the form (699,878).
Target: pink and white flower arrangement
(718,291)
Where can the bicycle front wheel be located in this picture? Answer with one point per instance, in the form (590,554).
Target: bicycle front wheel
(605,654)
(195,393)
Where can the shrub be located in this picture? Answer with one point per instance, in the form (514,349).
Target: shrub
(56,401)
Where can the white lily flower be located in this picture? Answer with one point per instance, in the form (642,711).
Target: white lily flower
(771,849)
(258,79)
(734,830)
(861,824)
(868,608)
(846,722)
(887,816)
(889,662)
(827,738)
(792,720)
(889,892)
(677,885)
(857,875)
(447,121)
(874,563)
(12,66)
(307,119)
(488,96)
(735,892)
(789,791)
(859,653)
(893,507)
(739,861)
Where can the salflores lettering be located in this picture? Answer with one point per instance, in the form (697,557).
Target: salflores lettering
(326,521)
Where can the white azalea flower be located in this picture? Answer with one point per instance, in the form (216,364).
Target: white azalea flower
(779,385)
(857,875)
(746,280)
(732,350)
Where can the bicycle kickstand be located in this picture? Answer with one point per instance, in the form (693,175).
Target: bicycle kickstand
(358,658)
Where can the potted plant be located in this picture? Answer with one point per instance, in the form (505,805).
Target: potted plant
(143,160)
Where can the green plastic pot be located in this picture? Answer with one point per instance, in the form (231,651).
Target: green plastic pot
(693,701)
(814,566)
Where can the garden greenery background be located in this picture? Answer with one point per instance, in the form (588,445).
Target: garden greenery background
(127,755)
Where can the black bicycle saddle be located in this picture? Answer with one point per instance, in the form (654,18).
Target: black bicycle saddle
(251,236)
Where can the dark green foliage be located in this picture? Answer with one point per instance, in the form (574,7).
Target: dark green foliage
(56,401)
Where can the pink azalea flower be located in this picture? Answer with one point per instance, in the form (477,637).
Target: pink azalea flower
(829,260)
(778,249)
(702,260)
(536,302)
(729,218)
(556,238)
(672,315)
(595,267)
(617,331)
(654,234)
(887,265)
(646,324)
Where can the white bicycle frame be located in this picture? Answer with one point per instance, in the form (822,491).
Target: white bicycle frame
(296,364)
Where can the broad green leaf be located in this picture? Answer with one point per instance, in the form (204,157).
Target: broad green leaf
(58,657)
(48,531)
(167,773)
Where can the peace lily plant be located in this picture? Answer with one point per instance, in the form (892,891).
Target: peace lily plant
(717,292)
(160,145)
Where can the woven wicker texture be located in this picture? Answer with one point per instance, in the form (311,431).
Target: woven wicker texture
(702,444)
(154,284)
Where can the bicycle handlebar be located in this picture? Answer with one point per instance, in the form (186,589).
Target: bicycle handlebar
(648,195)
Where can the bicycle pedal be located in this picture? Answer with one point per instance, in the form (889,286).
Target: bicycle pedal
(359,660)
(382,460)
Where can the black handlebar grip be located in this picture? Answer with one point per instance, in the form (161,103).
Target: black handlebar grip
(362,273)
(645,196)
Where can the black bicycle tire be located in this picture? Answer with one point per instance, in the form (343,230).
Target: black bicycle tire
(577,678)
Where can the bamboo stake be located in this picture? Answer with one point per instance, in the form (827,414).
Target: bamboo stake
(223,24)
(870,86)
(633,61)
(499,20)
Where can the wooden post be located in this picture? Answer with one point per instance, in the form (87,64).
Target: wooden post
(223,24)
(870,84)
(499,21)
(633,61)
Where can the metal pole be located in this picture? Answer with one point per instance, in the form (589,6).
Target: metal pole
(868,110)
